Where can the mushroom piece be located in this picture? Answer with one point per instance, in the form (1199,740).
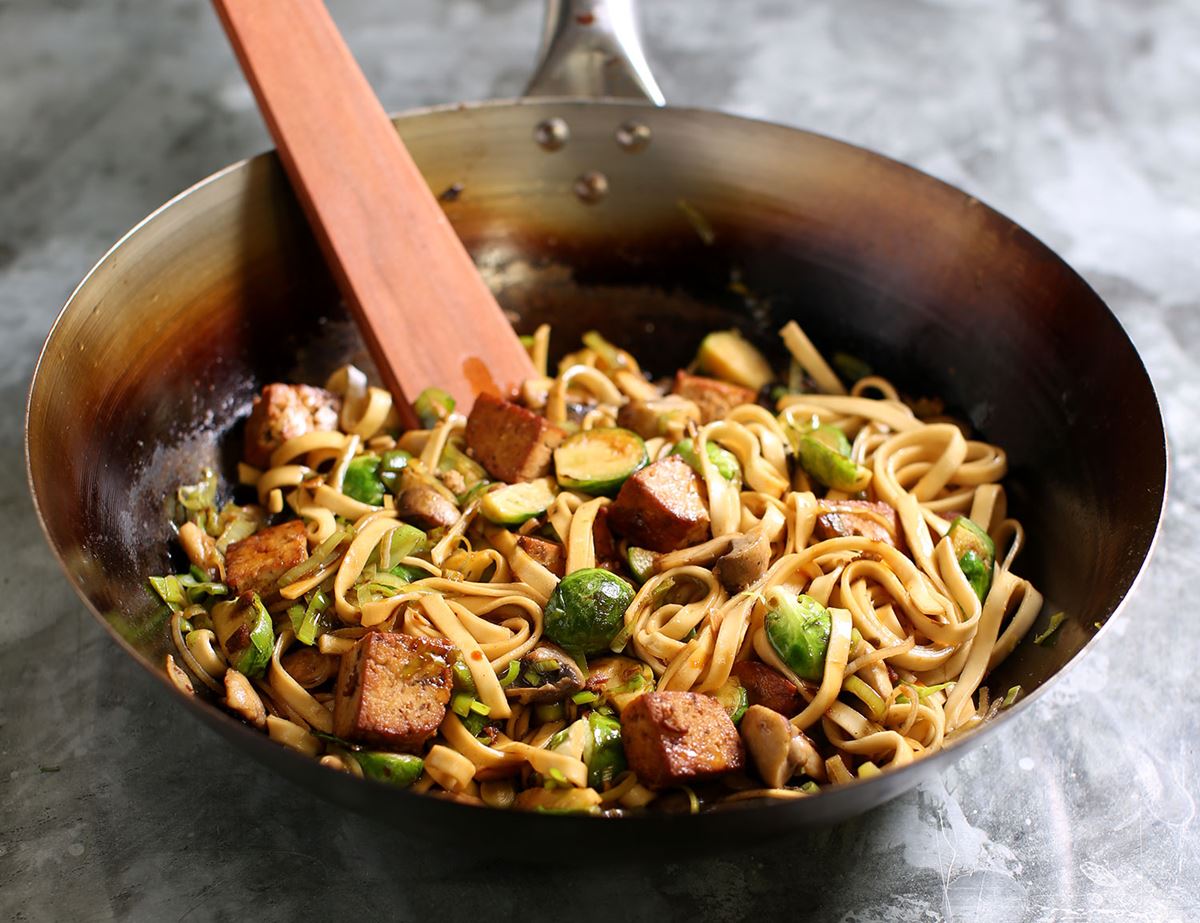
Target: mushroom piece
(778,749)
(618,680)
(425,507)
(181,680)
(745,562)
(309,667)
(548,674)
(241,698)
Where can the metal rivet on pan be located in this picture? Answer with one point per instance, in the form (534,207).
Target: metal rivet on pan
(591,187)
(633,136)
(551,134)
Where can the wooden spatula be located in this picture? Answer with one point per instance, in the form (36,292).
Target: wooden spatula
(425,314)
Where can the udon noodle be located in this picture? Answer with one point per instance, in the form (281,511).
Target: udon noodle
(853,636)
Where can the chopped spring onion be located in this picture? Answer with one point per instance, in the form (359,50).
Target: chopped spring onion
(1048,637)
(480,708)
(551,711)
(924,692)
(584,698)
(693,801)
(201,495)
(1011,696)
(811,787)
(557,775)
(510,675)
(463,679)
(460,703)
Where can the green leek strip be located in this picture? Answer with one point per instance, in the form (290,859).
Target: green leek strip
(872,699)
(584,698)
(924,692)
(693,801)
(170,591)
(316,560)
(1048,637)
(514,668)
(1011,697)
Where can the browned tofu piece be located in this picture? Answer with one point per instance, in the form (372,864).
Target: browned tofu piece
(392,691)
(255,564)
(661,507)
(672,738)
(714,398)
(769,688)
(511,442)
(283,412)
(876,521)
(551,555)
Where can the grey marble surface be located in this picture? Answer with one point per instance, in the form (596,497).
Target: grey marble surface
(1080,118)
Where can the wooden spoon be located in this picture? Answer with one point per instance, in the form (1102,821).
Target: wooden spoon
(423,311)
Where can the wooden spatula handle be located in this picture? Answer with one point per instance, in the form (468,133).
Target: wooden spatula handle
(423,310)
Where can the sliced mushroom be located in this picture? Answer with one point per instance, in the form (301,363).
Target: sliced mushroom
(181,680)
(768,739)
(803,753)
(745,562)
(241,698)
(778,749)
(200,547)
(309,667)
(664,416)
(619,680)
(548,674)
(425,507)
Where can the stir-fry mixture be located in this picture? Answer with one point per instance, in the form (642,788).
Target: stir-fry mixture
(607,592)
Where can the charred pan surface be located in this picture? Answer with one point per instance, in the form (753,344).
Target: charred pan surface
(283,412)
(672,738)
(392,691)
(255,564)
(512,443)
(660,507)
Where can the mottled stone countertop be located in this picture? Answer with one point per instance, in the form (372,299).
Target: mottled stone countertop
(1079,118)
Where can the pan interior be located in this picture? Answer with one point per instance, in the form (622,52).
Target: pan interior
(717,222)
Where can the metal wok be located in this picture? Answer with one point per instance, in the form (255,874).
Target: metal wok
(653,225)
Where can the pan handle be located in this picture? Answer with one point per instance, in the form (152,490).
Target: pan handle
(592,49)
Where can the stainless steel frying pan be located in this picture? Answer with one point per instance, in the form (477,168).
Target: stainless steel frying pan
(586,204)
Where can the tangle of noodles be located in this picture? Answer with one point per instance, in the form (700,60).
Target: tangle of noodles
(909,642)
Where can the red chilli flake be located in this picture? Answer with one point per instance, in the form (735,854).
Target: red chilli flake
(477,655)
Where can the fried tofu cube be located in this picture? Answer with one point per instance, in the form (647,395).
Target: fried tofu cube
(551,555)
(283,412)
(876,521)
(255,564)
(511,442)
(769,688)
(392,691)
(661,507)
(673,738)
(714,398)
